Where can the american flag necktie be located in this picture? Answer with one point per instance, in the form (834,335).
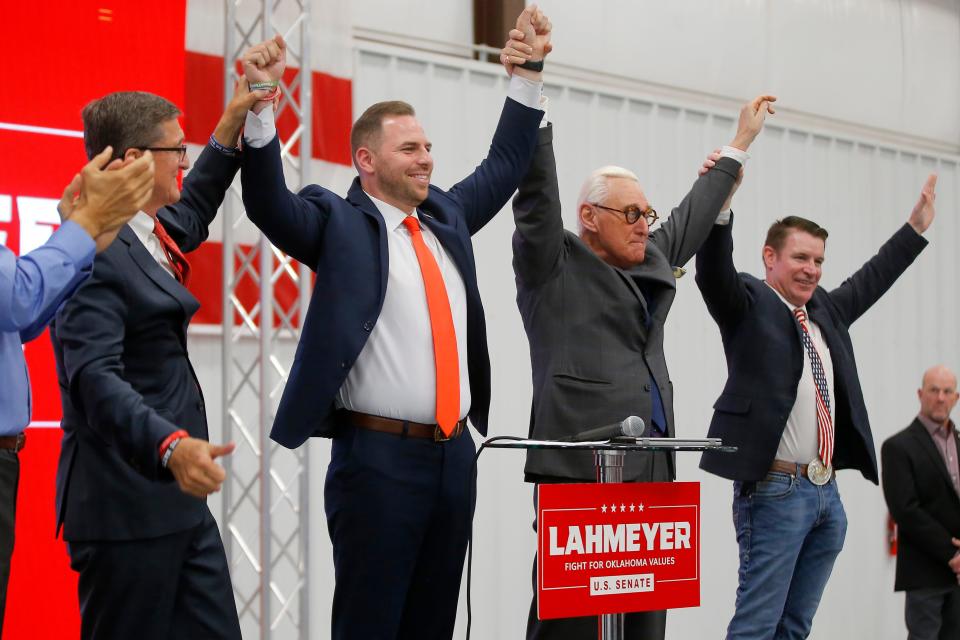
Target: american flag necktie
(824,421)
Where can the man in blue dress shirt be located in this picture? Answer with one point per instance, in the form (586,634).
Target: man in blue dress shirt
(33,287)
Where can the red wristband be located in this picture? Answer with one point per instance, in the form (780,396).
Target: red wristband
(176,435)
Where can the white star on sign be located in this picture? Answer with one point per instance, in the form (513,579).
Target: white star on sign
(623,508)
(640,507)
(604,508)
(632,507)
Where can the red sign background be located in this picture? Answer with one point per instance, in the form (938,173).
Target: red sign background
(617,548)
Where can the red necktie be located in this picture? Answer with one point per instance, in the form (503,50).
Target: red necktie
(181,268)
(441,326)
(824,422)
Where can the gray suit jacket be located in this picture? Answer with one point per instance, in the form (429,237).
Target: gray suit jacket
(591,353)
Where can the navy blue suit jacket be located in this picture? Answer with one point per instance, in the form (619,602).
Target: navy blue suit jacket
(126,382)
(345,242)
(761,340)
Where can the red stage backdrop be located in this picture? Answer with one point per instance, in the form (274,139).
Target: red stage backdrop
(68,53)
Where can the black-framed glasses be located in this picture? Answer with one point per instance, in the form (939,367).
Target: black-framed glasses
(182,150)
(631,213)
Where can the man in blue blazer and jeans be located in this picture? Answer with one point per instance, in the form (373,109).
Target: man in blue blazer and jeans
(393,355)
(793,407)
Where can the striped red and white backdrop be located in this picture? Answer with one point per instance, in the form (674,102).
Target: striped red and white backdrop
(79,52)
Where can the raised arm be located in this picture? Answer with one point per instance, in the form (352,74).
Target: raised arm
(487,189)
(292,223)
(681,235)
(861,290)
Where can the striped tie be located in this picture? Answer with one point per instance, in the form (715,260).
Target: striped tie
(824,421)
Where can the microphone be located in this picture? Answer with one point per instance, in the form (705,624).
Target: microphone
(632,427)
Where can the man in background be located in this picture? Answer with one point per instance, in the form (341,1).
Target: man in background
(921,483)
(32,288)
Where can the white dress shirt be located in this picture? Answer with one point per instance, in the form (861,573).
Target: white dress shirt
(800,442)
(142,226)
(395,374)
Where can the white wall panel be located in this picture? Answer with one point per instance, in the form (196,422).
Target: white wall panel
(860,189)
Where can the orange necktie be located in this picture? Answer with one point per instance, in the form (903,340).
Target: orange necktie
(441,326)
(181,268)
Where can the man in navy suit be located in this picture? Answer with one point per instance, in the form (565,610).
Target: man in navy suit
(393,355)
(793,407)
(921,483)
(149,555)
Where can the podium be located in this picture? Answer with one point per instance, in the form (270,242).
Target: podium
(608,461)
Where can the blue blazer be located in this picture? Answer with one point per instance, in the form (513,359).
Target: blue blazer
(761,340)
(126,382)
(345,242)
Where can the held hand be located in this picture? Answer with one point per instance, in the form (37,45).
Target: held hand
(710,163)
(924,212)
(529,40)
(514,52)
(234,116)
(193,467)
(265,62)
(752,116)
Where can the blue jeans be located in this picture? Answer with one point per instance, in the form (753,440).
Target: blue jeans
(789,531)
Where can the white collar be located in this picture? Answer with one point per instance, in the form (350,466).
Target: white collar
(392,216)
(142,225)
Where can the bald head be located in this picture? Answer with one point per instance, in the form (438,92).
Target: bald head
(938,393)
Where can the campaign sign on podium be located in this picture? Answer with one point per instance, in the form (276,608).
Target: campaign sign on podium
(617,548)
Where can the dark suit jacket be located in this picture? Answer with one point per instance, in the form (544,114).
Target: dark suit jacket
(126,382)
(591,352)
(761,340)
(924,505)
(345,242)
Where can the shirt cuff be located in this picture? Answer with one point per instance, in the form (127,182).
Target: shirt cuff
(737,154)
(545,106)
(260,128)
(526,92)
(75,242)
(723,218)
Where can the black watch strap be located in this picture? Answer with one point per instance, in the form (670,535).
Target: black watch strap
(530,65)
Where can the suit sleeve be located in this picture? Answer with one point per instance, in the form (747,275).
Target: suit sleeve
(538,240)
(861,290)
(689,224)
(203,191)
(292,222)
(900,491)
(90,328)
(484,192)
(722,289)
(33,286)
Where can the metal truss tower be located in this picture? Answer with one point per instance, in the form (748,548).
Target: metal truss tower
(265,296)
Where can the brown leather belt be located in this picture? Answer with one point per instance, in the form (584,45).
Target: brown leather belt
(791,468)
(13,443)
(403,428)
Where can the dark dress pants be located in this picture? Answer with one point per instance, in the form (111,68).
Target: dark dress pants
(9,479)
(398,511)
(933,614)
(166,588)
(646,625)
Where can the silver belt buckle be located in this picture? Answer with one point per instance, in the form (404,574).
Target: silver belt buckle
(819,473)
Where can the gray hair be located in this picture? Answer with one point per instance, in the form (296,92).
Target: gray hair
(124,120)
(596,187)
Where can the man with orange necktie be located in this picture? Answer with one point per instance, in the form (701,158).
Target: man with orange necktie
(793,407)
(393,355)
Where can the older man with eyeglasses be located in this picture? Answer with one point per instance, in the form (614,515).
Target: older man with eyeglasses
(594,306)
